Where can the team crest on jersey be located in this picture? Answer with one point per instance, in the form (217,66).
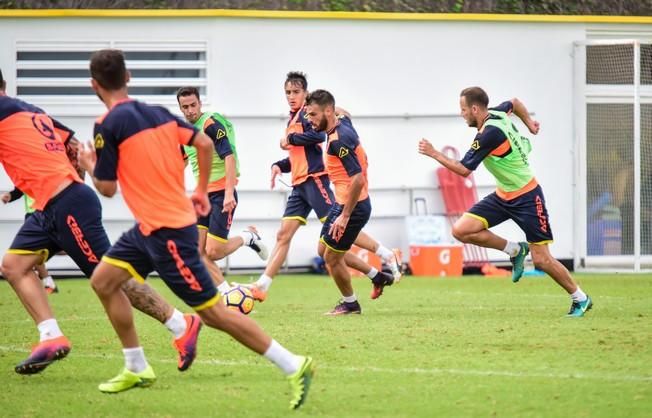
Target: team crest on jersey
(220,133)
(99,141)
(43,124)
(475,145)
(343,152)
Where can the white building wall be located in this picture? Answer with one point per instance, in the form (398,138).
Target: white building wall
(381,71)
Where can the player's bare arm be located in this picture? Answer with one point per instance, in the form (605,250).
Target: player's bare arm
(426,148)
(521,111)
(72,151)
(276,171)
(229,195)
(339,224)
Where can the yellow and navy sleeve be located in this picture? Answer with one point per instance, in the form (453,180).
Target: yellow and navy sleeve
(483,144)
(505,106)
(284,165)
(309,135)
(218,133)
(106,147)
(344,149)
(15,194)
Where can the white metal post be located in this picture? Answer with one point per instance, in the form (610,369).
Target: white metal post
(579,149)
(637,156)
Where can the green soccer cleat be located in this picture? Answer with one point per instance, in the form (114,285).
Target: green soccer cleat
(518,260)
(578,309)
(300,382)
(127,380)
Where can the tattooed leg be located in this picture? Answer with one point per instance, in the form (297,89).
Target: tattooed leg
(146,300)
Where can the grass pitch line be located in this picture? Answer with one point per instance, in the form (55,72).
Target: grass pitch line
(71,319)
(433,371)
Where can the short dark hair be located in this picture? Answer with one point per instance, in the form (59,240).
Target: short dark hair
(108,68)
(298,78)
(321,98)
(475,96)
(187,91)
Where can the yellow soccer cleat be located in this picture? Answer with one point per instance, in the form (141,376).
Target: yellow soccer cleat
(127,380)
(300,382)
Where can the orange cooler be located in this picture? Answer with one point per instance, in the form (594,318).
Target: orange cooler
(436,260)
(368,257)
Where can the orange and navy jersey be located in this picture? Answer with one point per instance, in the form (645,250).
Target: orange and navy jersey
(306,157)
(138,145)
(32,150)
(489,141)
(345,158)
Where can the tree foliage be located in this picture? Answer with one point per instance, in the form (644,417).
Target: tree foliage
(580,7)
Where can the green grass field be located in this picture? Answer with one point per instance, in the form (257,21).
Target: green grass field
(428,347)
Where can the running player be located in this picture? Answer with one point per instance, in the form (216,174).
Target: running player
(48,282)
(346,164)
(311,191)
(214,241)
(67,216)
(72,146)
(165,236)
(504,152)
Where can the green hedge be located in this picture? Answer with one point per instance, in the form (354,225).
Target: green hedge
(582,7)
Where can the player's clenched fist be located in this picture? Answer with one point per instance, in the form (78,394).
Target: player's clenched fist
(426,148)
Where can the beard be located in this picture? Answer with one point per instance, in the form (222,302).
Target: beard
(472,123)
(322,125)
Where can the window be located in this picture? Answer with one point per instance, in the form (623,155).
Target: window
(59,70)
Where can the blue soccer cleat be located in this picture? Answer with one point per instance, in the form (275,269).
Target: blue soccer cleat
(518,261)
(578,309)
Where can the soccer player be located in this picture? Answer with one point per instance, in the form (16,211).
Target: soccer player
(214,241)
(311,191)
(67,216)
(48,282)
(346,164)
(165,236)
(518,196)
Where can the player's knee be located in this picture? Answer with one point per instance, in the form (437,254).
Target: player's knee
(9,272)
(459,233)
(542,261)
(99,285)
(12,270)
(283,237)
(215,317)
(202,251)
(331,258)
(215,253)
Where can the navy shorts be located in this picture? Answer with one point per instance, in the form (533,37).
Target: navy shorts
(313,194)
(173,253)
(528,211)
(218,223)
(72,222)
(358,220)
